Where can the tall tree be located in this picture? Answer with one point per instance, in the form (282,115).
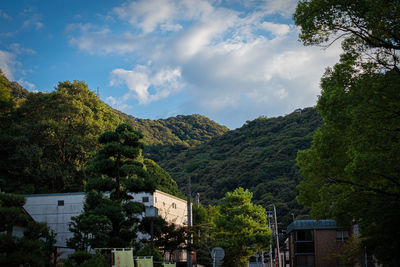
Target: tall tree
(22,240)
(203,231)
(51,138)
(164,181)
(352,168)
(118,169)
(6,101)
(168,237)
(241,227)
(368,28)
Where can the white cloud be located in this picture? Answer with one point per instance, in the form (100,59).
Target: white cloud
(281,93)
(26,84)
(285,8)
(7,64)
(19,49)
(33,22)
(275,28)
(101,40)
(118,104)
(4,15)
(147,14)
(145,84)
(228,59)
(10,65)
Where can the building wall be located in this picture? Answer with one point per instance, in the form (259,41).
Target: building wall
(50,209)
(325,246)
(142,197)
(291,249)
(170,208)
(46,208)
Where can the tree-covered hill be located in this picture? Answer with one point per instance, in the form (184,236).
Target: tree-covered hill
(260,156)
(164,138)
(48,137)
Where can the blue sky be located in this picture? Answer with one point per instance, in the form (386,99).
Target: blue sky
(231,60)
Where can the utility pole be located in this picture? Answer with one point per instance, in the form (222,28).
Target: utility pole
(277,237)
(189,222)
(270,245)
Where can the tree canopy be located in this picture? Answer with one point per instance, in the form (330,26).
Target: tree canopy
(352,170)
(259,156)
(47,138)
(22,240)
(50,137)
(369,28)
(241,227)
(117,170)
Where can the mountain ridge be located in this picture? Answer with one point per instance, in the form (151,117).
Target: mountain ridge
(259,156)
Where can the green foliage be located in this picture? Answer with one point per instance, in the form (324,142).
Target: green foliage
(85,259)
(50,138)
(259,156)
(164,181)
(241,227)
(119,163)
(351,169)
(22,241)
(112,220)
(167,237)
(146,251)
(203,232)
(350,252)
(6,101)
(165,138)
(90,230)
(368,28)
(105,223)
(46,138)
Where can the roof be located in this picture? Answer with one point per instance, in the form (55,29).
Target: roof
(54,194)
(311,224)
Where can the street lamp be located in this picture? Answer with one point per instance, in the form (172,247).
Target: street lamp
(151,212)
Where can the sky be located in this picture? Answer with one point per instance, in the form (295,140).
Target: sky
(231,61)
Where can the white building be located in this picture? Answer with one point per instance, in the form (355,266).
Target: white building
(57,209)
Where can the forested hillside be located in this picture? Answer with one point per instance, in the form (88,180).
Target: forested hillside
(47,138)
(260,156)
(164,138)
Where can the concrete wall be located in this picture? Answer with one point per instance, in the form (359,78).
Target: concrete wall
(46,208)
(170,208)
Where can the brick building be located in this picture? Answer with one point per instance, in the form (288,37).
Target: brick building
(312,243)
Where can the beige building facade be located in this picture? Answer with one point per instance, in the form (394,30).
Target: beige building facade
(57,209)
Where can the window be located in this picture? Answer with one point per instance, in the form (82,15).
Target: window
(60,203)
(304,260)
(174,205)
(342,235)
(304,247)
(155,199)
(145,199)
(304,235)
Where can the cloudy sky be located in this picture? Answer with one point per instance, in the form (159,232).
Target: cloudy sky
(231,61)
